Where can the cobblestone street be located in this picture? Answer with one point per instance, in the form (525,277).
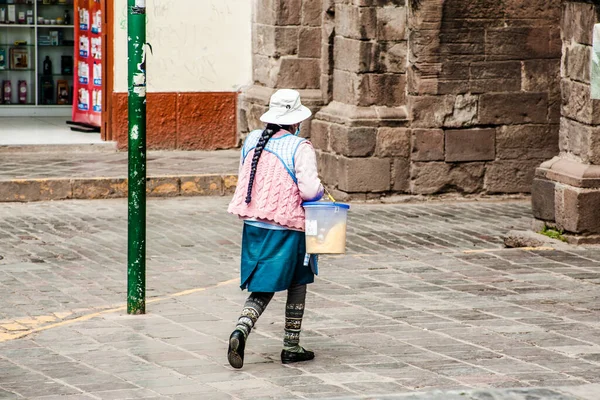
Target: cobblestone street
(426,300)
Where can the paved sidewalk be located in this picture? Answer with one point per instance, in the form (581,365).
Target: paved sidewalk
(40,173)
(426,300)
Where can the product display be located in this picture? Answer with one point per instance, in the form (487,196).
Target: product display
(37,53)
(19,58)
(6,92)
(66,65)
(22,92)
(12,14)
(62,92)
(47,70)
(47,90)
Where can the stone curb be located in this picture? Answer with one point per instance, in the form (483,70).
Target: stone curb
(29,190)
(517,239)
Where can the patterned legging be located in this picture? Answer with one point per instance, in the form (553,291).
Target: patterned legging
(256,304)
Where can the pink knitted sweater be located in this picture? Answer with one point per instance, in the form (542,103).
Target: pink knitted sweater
(276,197)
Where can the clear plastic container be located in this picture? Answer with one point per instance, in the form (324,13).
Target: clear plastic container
(326,227)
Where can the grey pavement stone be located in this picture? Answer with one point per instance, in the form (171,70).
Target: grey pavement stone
(426,299)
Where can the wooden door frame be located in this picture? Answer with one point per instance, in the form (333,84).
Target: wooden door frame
(108,9)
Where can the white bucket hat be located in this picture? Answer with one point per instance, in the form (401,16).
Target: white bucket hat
(285,108)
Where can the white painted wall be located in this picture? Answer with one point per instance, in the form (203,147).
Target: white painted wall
(199,45)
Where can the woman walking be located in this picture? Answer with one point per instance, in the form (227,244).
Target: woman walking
(278,172)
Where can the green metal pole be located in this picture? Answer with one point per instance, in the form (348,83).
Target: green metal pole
(136,251)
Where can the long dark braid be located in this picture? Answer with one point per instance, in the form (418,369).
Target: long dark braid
(267,134)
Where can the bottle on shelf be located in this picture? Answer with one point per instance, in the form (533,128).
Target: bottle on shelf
(67,18)
(47,67)
(22,92)
(6,92)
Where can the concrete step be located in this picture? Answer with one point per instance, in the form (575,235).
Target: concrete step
(29,190)
(105,147)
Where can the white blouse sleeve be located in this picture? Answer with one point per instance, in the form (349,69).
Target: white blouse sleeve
(307,174)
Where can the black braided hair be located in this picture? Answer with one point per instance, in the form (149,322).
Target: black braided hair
(267,134)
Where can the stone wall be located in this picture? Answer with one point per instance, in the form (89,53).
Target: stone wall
(287,53)
(456,95)
(483,93)
(566,190)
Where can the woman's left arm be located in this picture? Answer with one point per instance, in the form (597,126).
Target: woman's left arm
(307,173)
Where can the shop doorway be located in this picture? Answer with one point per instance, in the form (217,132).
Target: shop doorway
(43,85)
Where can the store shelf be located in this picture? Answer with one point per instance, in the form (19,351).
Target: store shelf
(62,75)
(17,26)
(56,26)
(38,49)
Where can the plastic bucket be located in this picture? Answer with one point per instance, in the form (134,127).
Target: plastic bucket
(326,227)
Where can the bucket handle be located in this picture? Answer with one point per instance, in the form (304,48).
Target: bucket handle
(329,194)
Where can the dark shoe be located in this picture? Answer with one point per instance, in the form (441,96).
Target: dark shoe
(288,357)
(235,353)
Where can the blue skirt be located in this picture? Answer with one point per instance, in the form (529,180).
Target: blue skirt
(273,260)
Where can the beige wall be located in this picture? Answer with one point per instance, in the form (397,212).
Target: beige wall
(199,45)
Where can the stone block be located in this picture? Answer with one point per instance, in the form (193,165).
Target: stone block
(541,76)
(422,79)
(577,103)
(577,209)
(481,9)
(401,175)
(328,168)
(364,174)
(299,73)
(99,188)
(578,22)
(312,12)
(320,134)
(518,43)
(510,176)
(162,186)
(429,111)
(392,57)
(355,55)
(576,60)
(393,142)
(542,199)
(428,16)
(265,69)
(494,76)
(527,142)
(355,22)
(35,190)
(369,89)
(470,145)
(203,185)
(464,113)
(513,108)
(309,43)
(548,11)
(427,145)
(439,177)
(353,142)
(275,41)
(289,12)
(580,140)
(424,47)
(391,23)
